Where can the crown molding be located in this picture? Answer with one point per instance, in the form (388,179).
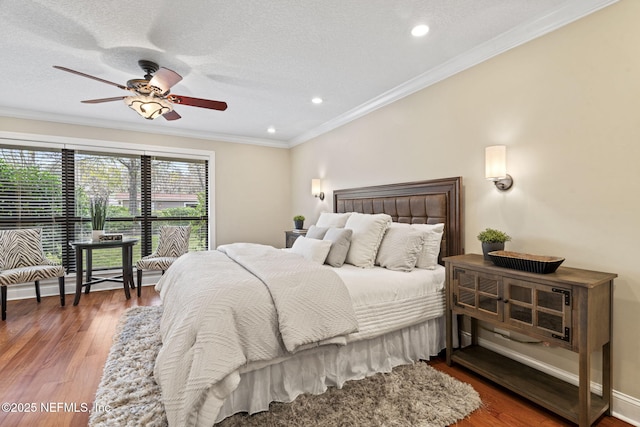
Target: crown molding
(530,30)
(111,124)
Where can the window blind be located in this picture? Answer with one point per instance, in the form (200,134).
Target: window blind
(31,194)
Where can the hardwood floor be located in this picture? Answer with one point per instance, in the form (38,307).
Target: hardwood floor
(501,408)
(52,359)
(52,356)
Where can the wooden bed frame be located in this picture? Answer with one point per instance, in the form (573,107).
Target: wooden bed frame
(423,202)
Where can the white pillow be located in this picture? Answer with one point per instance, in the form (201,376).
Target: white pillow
(428,257)
(367,235)
(329,219)
(400,247)
(312,249)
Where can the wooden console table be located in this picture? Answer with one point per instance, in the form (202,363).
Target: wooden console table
(571,308)
(89,246)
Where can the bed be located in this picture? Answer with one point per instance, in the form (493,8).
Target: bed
(379,317)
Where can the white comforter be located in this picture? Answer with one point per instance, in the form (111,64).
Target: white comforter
(240,304)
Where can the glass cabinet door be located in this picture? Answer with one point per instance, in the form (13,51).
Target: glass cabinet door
(478,293)
(543,310)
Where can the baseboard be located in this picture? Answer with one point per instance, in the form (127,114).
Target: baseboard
(624,407)
(49,287)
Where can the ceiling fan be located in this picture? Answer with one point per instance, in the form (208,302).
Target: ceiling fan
(151,97)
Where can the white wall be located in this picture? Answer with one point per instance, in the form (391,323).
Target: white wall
(567,105)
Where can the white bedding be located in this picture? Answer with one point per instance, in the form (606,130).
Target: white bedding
(313,371)
(386,300)
(217,317)
(383,301)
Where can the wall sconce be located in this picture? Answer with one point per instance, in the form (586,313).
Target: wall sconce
(496,167)
(316,188)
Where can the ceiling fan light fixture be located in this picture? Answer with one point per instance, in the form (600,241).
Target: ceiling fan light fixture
(148,107)
(152,98)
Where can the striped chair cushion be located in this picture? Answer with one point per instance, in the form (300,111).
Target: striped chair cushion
(21,248)
(30,274)
(174,241)
(155,263)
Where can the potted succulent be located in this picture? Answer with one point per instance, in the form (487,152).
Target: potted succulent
(298,221)
(492,240)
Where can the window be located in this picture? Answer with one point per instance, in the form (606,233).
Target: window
(31,194)
(116,178)
(52,189)
(174,183)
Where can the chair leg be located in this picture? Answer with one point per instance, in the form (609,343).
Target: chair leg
(4,302)
(61,286)
(139,273)
(38,290)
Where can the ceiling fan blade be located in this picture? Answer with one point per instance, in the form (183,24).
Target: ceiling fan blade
(198,102)
(98,101)
(69,70)
(164,78)
(171,115)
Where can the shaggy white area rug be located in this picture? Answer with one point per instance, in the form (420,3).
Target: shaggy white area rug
(412,395)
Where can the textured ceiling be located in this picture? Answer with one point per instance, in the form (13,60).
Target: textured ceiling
(265,58)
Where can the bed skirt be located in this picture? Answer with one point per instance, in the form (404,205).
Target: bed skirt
(312,371)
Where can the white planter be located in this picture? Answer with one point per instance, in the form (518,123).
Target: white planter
(95,235)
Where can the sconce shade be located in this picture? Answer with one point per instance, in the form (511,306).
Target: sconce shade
(495,167)
(495,162)
(316,188)
(148,107)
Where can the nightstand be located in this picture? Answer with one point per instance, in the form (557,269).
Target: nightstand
(292,235)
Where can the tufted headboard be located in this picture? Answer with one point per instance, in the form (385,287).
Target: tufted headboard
(423,202)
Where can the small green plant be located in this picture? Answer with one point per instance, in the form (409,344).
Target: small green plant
(299,218)
(98,210)
(491,235)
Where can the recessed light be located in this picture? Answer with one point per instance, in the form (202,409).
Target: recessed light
(419,30)
(317,100)
(271,129)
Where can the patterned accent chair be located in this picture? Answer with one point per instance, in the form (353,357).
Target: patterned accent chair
(22,260)
(173,242)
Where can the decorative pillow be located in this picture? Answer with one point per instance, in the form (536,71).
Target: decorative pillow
(340,239)
(368,230)
(329,219)
(312,249)
(400,247)
(315,232)
(428,257)
(21,248)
